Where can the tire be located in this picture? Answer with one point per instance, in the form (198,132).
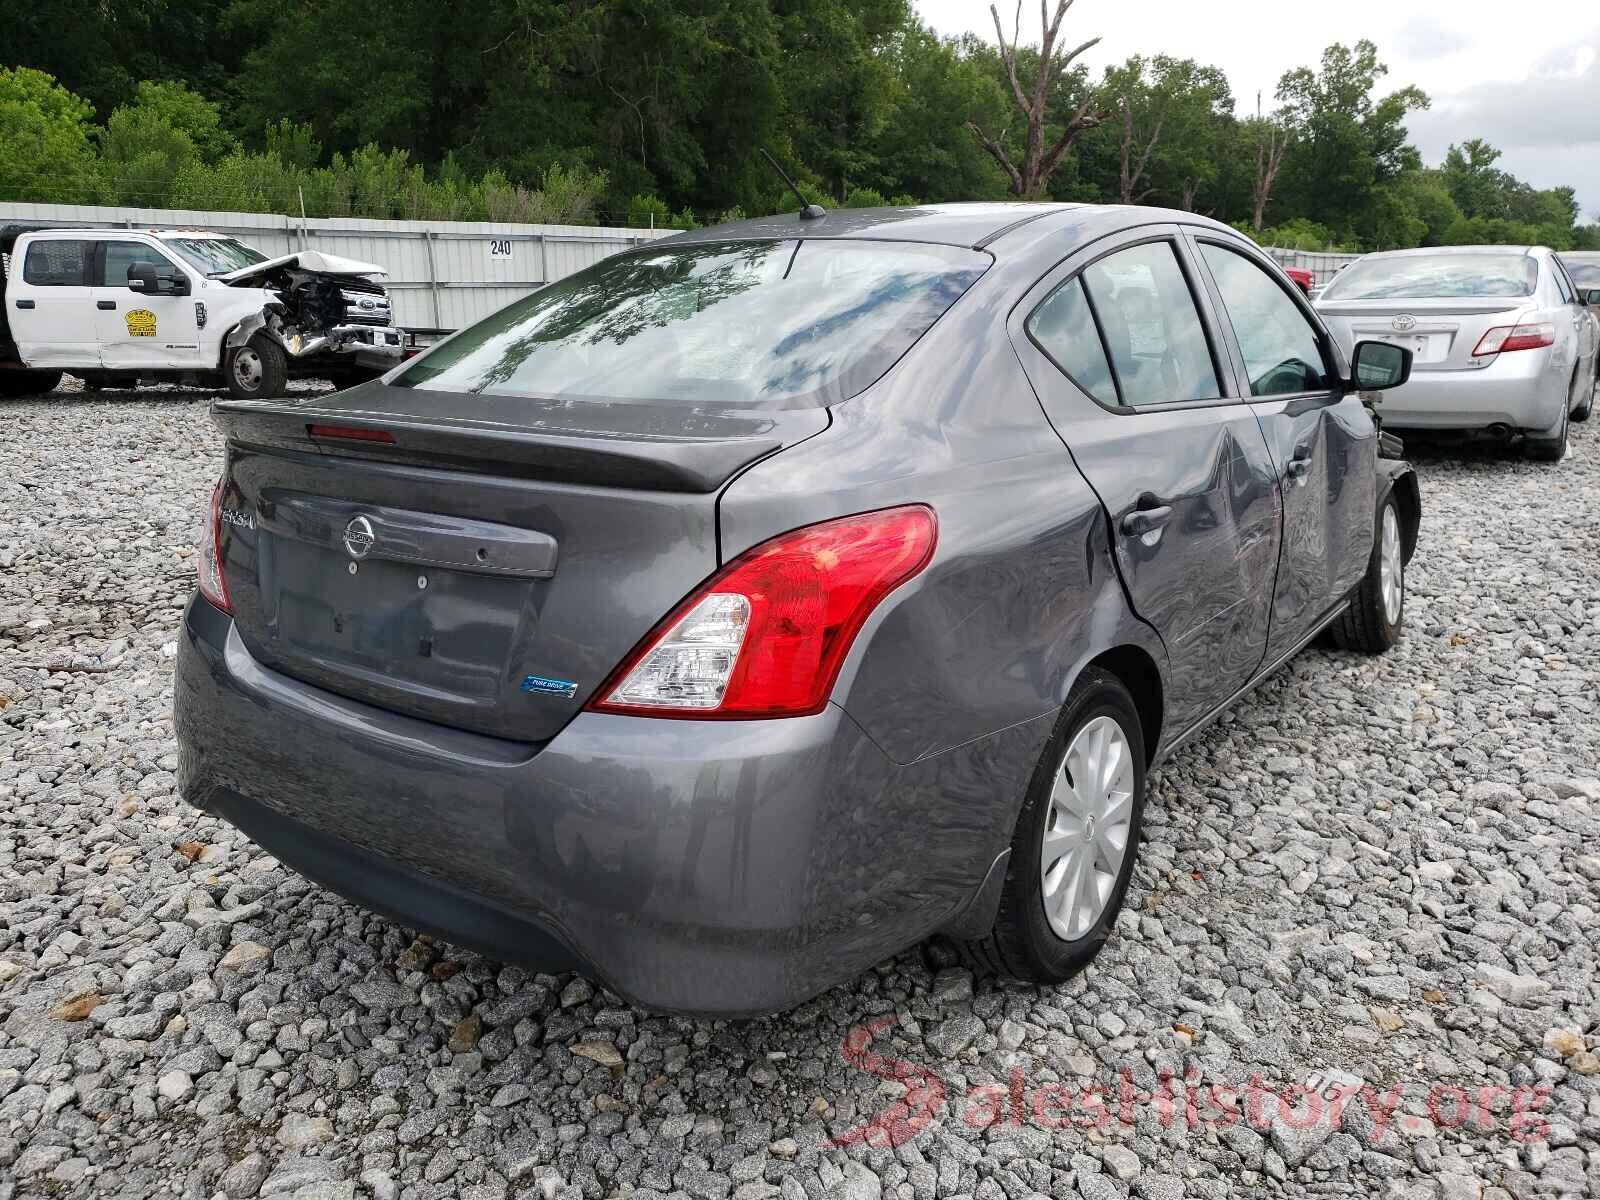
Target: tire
(28,383)
(256,370)
(1373,623)
(1551,449)
(1028,941)
(1581,413)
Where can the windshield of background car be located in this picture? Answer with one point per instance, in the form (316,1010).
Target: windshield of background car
(216,256)
(1427,276)
(772,324)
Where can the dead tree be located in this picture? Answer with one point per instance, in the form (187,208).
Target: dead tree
(1271,142)
(1038,161)
(1132,172)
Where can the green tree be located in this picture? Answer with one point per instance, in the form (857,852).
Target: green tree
(837,76)
(1169,117)
(921,150)
(1345,142)
(148,143)
(45,147)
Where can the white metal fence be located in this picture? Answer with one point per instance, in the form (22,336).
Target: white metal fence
(442,275)
(1323,264)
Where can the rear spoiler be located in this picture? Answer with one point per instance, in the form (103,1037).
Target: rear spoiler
(624,455)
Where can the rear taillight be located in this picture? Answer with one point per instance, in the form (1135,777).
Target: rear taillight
(351,433)
(766,635)
(1502,339)
(209,566)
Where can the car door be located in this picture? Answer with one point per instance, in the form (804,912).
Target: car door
(137,329)
(1583,325)
(51,314)
(1322,439)
(1123,359)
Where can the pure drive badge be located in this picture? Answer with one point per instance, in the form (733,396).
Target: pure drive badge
(543,686)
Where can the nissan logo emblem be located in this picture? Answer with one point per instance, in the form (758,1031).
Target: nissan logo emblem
(1403,323)
(358,537)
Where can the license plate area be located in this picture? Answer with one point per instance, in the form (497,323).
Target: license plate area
(446,634)
(1425,347)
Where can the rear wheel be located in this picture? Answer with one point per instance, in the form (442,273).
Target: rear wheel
(28,383)
(1585,406)
(1549,449)
(257,369)
(1378,609)
(1076,838)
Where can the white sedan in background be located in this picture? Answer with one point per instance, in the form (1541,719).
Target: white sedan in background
(1501,342)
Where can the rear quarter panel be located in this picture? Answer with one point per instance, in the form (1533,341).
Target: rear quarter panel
(1021,591)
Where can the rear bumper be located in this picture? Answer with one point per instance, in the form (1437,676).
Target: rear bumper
(1521,391)
(709,867)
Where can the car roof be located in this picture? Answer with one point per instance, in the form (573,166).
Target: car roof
(975,223)
(954,224)
(123,231)
(1426,250)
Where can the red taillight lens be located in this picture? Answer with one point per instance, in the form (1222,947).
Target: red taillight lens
(1502,339)
(209,564)
(351,433)
(766,635)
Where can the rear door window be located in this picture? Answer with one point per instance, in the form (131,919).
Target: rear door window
(1151,326)
(1064,328)
(1282,352)
(56,262)
(768,324)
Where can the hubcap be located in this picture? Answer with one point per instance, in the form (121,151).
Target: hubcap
(1391,570)
(1086,830)
(247,368)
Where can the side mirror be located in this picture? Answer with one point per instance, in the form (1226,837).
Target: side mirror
(148,278)
(1378,366)
(1592,298)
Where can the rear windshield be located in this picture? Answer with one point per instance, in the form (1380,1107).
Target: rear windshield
(1425,276)
(217,256)
(777,324)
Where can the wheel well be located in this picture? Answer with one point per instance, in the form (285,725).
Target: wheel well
(1408,498)
(1140,675)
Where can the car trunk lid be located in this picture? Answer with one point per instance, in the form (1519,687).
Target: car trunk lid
(1440,333)
(483,573)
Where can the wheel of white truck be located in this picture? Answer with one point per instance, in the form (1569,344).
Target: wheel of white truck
(28,383)
(257,369)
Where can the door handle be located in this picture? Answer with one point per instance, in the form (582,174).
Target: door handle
(105,304)
(1144,520)
(24,303)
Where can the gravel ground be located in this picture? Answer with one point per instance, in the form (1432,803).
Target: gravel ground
(1371,870)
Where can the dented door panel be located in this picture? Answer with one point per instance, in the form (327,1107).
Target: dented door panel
(1329,498)
(1203,577)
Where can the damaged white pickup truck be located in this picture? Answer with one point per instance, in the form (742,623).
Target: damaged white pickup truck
(116,306)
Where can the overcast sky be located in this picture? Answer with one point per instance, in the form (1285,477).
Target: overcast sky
(1523,76)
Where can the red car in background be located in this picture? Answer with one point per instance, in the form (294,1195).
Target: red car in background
(1302,278)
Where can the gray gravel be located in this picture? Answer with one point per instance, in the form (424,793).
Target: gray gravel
(1384,868)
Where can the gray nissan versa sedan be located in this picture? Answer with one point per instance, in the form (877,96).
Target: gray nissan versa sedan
(746,608)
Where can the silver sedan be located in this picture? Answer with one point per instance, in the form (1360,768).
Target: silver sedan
(1501,341)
